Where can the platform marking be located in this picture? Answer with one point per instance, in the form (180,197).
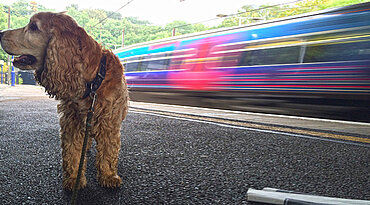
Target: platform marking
(263,128)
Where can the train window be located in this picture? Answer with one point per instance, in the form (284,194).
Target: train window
(143,65)
(156,65)
(343,51)
(157,62)
(270,56)
(132,65)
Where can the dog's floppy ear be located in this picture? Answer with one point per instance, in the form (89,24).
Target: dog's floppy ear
(71,58)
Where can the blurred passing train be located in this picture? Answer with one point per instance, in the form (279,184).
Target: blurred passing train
(315,64)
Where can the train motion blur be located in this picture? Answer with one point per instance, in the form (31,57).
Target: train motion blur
(315,64)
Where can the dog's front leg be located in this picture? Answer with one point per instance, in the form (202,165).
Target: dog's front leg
(72,129)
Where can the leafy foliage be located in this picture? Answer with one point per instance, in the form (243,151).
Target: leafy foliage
(251,14)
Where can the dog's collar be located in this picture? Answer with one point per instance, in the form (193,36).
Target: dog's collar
(94,85)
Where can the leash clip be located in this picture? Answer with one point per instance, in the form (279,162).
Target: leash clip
(93,97)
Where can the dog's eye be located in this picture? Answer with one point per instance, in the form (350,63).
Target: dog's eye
(33,27)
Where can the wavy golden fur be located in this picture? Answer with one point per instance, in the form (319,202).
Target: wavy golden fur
(65,58)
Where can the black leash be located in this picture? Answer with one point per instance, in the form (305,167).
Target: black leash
(83,153)
(90,91)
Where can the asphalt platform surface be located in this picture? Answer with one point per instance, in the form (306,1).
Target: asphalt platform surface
(171,160)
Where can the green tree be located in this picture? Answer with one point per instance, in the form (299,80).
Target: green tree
(21,8)
(82,18)
(229,22)
(183,27)
(249,13)
(95,14)
(114,15)
(3,25)
(72,6)
(3,18)
(136,20)
(339,3)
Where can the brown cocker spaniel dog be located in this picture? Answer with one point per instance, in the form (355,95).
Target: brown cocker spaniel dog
(65,58)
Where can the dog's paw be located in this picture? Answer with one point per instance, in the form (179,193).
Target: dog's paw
(110,181)
(68,183)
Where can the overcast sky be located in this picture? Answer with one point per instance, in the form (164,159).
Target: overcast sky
(160,12)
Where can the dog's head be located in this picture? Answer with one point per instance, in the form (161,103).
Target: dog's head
(60,51)
(28,44)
